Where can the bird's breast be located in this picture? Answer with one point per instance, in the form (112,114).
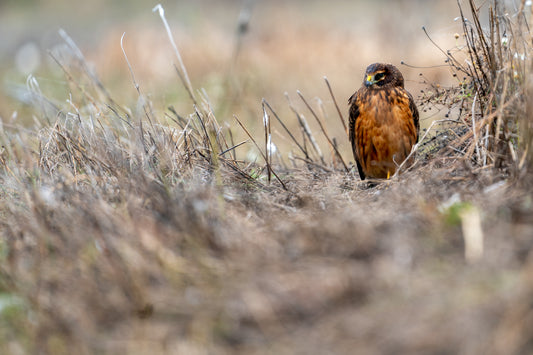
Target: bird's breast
(383,106)
(385,130)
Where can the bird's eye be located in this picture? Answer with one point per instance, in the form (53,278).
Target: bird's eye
(379,76)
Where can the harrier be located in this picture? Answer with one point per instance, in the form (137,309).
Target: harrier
(383,122)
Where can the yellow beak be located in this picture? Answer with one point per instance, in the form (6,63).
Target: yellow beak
(369,80)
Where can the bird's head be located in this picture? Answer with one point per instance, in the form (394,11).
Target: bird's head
(380,75)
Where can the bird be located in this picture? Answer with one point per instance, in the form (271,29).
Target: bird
(383,122)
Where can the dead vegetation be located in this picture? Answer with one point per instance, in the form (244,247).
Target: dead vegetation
(133,230)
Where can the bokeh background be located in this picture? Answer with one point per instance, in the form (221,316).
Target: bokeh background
(287,46)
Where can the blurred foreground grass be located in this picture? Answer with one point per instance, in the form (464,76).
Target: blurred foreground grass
(131,227)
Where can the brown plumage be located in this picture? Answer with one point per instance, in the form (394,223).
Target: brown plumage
(383,122)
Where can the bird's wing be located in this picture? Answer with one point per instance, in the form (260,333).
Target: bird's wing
(354,113)
(414,111)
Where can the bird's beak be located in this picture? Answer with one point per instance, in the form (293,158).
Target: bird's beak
(369,80)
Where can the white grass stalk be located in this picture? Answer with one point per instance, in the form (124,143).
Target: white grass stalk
(474,128)
(128,62)
(472,234)
(161,11)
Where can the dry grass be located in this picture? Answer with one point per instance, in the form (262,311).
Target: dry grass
(143,230)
